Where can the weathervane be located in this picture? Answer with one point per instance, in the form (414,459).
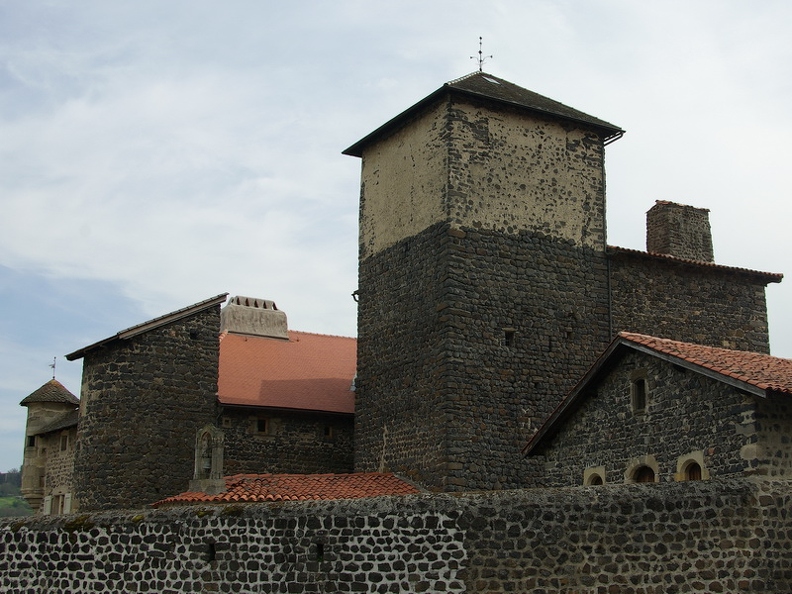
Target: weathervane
(481,57)
(54,360)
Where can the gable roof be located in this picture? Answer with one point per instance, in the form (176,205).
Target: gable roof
(52,391)
(765,277)
(251,488)
(306,372)
(481,85)
(151,325)
(754,373)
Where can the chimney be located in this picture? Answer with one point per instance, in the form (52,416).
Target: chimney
(679,230)
(256,317)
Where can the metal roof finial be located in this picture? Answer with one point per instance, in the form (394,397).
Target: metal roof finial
(481,57)
(54,360)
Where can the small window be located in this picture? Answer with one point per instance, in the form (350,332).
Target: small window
(644,474)
(262,425)
(31,441)
(693,472)
(690,467)
(594,476)
(508,337)
(64,443)
(328,432)
(639,395)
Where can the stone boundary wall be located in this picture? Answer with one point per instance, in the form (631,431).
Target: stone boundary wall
(711,536)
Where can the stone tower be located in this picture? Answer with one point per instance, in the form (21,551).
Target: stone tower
(51,410)
(483,285)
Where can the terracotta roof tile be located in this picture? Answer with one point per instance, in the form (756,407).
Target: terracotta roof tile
(762,371)
(250,488)
(306,372)
(756,373)
(52,391)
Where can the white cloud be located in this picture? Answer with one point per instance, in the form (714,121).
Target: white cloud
(160,153)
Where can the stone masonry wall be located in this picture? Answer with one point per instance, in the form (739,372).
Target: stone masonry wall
(399,413)
(678,420)
(467,348)
(291,443)
(700,304)
(703,537)
(143,401)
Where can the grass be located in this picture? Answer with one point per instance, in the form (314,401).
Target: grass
(14,506)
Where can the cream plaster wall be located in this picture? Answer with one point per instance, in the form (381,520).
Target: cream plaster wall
(514,172)
(477,167)
(403,181)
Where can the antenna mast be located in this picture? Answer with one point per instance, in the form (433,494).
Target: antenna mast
(481,57)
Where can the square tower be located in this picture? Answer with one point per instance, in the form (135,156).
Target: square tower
(482,279)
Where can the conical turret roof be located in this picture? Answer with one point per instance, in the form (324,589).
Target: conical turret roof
(52,391)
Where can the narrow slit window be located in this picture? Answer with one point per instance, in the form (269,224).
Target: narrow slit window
(508,337)
(639,396)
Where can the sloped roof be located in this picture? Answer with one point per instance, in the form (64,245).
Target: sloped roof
(151,325)
(766,277)
(306,372)
(764,373)
(755,373)
(63,422)
(487,86)
(52,391)
(251,488)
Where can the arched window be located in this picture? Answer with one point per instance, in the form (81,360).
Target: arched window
(691,467)
(594,475)
(644,474)
(693,472)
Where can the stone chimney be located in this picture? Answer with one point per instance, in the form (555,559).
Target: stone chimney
(256,317)
(679,230)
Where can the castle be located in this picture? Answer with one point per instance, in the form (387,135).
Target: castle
(486,291)
(502,344)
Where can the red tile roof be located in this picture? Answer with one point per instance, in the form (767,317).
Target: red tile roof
(306,372)
(756,369)
(755,373)
(251,488)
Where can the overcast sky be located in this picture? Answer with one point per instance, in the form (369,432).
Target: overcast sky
(154,154)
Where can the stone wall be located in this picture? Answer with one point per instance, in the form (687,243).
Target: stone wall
(710,536)
(678,421)
(142,402)
(467,340)
(286,442)
(703,304)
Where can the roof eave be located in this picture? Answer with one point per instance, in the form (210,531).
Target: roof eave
(150,325)
(609,133)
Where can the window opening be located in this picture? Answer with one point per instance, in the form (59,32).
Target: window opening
(595,480)
(508,337)
(693,472)
(639,396)
(262,425)
(644,474)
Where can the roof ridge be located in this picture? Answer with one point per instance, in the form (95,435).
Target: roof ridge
(322,334)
